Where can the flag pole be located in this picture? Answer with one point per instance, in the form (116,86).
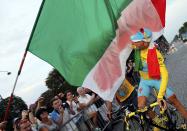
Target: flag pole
(22,62)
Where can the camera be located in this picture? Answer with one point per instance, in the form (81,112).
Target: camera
(65,105)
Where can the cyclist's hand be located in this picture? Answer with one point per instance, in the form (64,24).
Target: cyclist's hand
(162,103)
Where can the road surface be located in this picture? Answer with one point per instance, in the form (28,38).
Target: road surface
(177,67)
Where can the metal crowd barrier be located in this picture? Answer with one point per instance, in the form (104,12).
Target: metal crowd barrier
(82,122)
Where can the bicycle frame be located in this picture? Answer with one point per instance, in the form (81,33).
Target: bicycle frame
(142,118)
(167,120)
(163,122)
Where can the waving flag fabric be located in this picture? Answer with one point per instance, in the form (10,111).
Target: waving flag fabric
(79,38)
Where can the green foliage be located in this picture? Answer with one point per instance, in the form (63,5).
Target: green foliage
(54,80)
(183,29)
(176,38)
(15,109)
(185,24)
(57,83)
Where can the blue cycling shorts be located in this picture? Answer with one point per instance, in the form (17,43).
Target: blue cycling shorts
(146,86)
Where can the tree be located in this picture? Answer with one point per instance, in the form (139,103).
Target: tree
(185,25)
(1,98)
(176,38)
(182,30)
(56,83)
(15,109)
(54,80)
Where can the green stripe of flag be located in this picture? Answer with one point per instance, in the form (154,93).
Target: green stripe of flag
(72,35)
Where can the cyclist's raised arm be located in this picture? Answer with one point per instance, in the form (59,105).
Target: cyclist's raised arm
(164,76)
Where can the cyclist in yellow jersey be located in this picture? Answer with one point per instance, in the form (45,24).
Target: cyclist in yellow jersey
(153,72)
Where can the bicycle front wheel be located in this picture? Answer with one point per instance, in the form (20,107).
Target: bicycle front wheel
(133,125)
(177,121)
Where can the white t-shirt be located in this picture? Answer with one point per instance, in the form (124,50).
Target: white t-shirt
(85,100)
(74,106)
(53,127)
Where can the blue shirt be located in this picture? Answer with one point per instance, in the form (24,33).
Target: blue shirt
(54,115)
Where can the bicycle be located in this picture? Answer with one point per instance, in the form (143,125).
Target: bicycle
(139,120)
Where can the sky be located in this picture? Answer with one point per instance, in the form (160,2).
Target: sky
(16,21)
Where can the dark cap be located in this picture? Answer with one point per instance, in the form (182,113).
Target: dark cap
(40,111)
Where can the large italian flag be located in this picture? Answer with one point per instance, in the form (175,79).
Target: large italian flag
(87,41)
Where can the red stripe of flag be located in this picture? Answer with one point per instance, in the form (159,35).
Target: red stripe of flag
(160,6)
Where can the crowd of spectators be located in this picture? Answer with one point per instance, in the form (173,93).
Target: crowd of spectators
(70,112)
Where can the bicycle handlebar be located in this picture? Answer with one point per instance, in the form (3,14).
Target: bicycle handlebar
(142,110)
(153,104)
(123,108)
